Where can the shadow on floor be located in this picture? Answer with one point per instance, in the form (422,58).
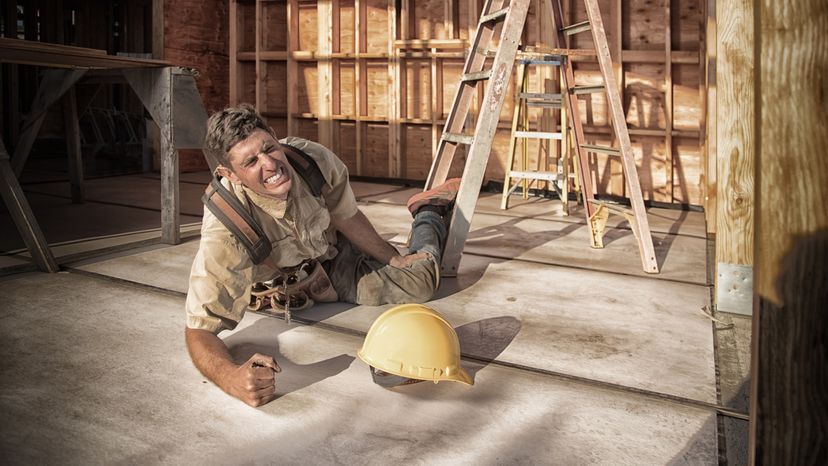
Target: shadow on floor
(484,340)
(261,337)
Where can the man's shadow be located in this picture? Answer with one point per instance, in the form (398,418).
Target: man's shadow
(261,337)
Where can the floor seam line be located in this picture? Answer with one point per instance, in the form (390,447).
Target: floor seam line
(723,410)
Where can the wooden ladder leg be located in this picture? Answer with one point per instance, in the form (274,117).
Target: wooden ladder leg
(23,216)
(619,123)
(510,160)
(485,128)
(456,118)
(564,145)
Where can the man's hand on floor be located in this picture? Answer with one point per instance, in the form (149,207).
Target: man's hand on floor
(406,261)
(253,382)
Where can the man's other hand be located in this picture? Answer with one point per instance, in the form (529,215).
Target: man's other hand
(405,261)
(253,382)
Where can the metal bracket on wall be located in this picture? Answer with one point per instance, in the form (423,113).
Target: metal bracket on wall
(734,288)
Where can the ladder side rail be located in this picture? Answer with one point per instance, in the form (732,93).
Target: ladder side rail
(496,90)
(456,117)
(646,249)
(574,113)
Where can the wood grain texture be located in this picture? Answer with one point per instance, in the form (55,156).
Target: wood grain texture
(790,391)
(735,139)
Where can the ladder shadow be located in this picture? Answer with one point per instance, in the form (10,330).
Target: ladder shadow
(519,240)
(484,340)
(262,337)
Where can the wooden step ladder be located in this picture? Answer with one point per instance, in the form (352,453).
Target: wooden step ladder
(521,132)
(513,18)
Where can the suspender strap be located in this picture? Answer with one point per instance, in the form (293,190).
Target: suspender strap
(224,205)
(386,380)
(306,168)
(233,215)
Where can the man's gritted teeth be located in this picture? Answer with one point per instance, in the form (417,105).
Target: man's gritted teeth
(275,179)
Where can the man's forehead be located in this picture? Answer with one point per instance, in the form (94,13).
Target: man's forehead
(258,141)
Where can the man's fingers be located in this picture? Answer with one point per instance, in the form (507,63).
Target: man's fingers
(266,391)
(265,361)
(262,373)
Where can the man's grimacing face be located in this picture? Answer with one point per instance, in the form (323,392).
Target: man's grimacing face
(259,163)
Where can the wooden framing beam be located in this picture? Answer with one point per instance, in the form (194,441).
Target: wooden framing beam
(71,128)
(23,216)
(735,156)
(54,84)
(789,369)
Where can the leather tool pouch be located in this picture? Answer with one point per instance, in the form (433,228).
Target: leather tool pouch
(307,283)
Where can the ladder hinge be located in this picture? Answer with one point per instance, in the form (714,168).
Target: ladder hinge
(588,89)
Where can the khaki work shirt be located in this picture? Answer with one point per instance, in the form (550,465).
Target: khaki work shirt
(298,227)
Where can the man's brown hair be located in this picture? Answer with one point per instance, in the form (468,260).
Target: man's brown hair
(226,128)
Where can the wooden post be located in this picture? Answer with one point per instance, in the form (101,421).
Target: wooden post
(51,88)
(325,72)
(73,145)
(735,157)
(23,217)
(668,105)
(292,67)
(394,130)
(710,130)
(789,393)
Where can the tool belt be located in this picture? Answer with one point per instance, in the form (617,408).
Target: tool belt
(297,288)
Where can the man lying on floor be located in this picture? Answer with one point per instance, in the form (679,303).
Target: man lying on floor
(324,234)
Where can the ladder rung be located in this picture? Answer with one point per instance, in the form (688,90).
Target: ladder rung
(576,28)
(546,176)
(495,16)
(537,135)
(458,138)
(544,61)
(539,95)
(479,76)
(553,104)
(601,149)
(588,89)
(613,207)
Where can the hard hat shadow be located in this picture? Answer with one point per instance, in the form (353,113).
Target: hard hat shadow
(261,338)
(482,341)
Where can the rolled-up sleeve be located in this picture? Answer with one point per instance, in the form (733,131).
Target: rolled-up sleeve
(339,198)
(219,290)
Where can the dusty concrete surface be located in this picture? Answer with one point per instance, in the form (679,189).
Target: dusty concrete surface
(100,373)
(100,376)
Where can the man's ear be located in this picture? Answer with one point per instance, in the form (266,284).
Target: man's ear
(225,172)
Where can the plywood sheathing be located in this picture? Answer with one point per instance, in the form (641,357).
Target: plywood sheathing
(393,73)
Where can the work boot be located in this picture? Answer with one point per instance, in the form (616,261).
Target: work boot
(439,199)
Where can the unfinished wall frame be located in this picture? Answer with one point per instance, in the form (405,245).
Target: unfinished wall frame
(373,79)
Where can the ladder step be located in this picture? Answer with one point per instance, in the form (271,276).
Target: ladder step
(479,76)
(551,61)
(494,17)
(458,138)
(539,95)
(546,176)
(588,89)
(536,135)
(601,149)
(576,28)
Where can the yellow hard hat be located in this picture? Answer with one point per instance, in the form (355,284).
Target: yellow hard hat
(414,341)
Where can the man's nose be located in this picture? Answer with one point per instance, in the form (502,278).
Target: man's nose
(266,161)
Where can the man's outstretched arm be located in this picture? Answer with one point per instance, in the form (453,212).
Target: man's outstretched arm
(253,382)
(361,233)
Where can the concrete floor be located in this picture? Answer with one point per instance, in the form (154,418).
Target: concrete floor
(592,361)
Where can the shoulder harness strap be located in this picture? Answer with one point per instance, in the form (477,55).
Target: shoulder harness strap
(232,214)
